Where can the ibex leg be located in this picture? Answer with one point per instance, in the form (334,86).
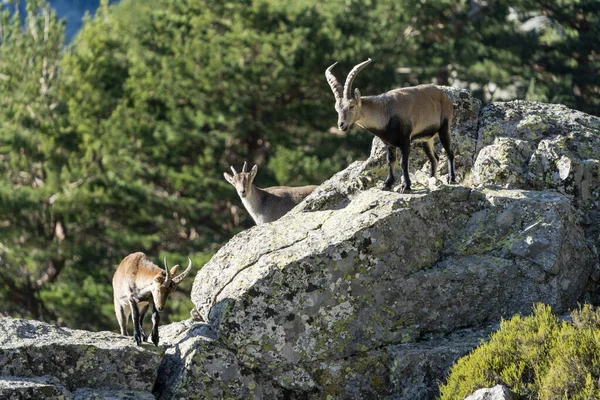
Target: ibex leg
(155,322)
(445,139)
(391,157)
(121,317)
(135,316)
(405,152)
(433,158)
(142,315)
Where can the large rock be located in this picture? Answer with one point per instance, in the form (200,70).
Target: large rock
(538,146)
(50,388)
(73,359)
(33,388)
(385,270)
(197,366)
(337,298)
(409,371)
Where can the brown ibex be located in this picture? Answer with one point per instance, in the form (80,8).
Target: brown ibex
(397,117)
(269,204)
(138,282)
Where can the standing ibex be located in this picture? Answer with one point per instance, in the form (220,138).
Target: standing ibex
(138,282)
(269,204)
(397,117)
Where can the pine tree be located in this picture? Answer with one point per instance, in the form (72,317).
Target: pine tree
(33,158)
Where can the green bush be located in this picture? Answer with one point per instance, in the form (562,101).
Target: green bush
(537,357)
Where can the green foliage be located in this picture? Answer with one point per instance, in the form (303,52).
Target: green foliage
(33,152)
(294,167)
(537,357)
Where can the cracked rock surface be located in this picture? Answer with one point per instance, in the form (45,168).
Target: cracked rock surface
(40,360)
(197,366)
(388,269)
(538,146)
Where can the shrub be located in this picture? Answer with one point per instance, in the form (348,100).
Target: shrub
(537,357)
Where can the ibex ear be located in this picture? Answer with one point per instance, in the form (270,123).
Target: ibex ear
(253,172)
(228,177)
(357,95)
(174,270)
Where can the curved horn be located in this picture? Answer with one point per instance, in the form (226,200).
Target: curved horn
(351,76)
(166,282)
(336,87)
(185,273)
(244,168)
(233,170)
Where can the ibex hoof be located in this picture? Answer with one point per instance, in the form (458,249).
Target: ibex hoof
(155,340)
(387,186)
(138,340)
(406,189)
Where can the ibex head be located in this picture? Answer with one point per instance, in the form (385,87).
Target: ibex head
(347,105)
(166,283)
(242,181)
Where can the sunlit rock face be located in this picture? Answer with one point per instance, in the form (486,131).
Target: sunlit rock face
(388,269)
(38,360)
(538,146)
(357,284)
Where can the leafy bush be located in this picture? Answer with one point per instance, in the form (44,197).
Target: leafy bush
(537,357)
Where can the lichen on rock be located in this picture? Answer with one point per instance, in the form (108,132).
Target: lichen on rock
(387,269)
(198,366)
(538,146)
(58,360)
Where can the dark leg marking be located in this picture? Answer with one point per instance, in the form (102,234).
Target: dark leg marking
(405,152)
(135,316)
(433,158)
(445,139)
(142,315)
(391,157)
(155,321)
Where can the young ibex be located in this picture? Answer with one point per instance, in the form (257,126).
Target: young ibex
(269,204)
(138,282)
(397,117)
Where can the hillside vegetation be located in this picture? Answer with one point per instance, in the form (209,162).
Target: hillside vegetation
(537,357)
